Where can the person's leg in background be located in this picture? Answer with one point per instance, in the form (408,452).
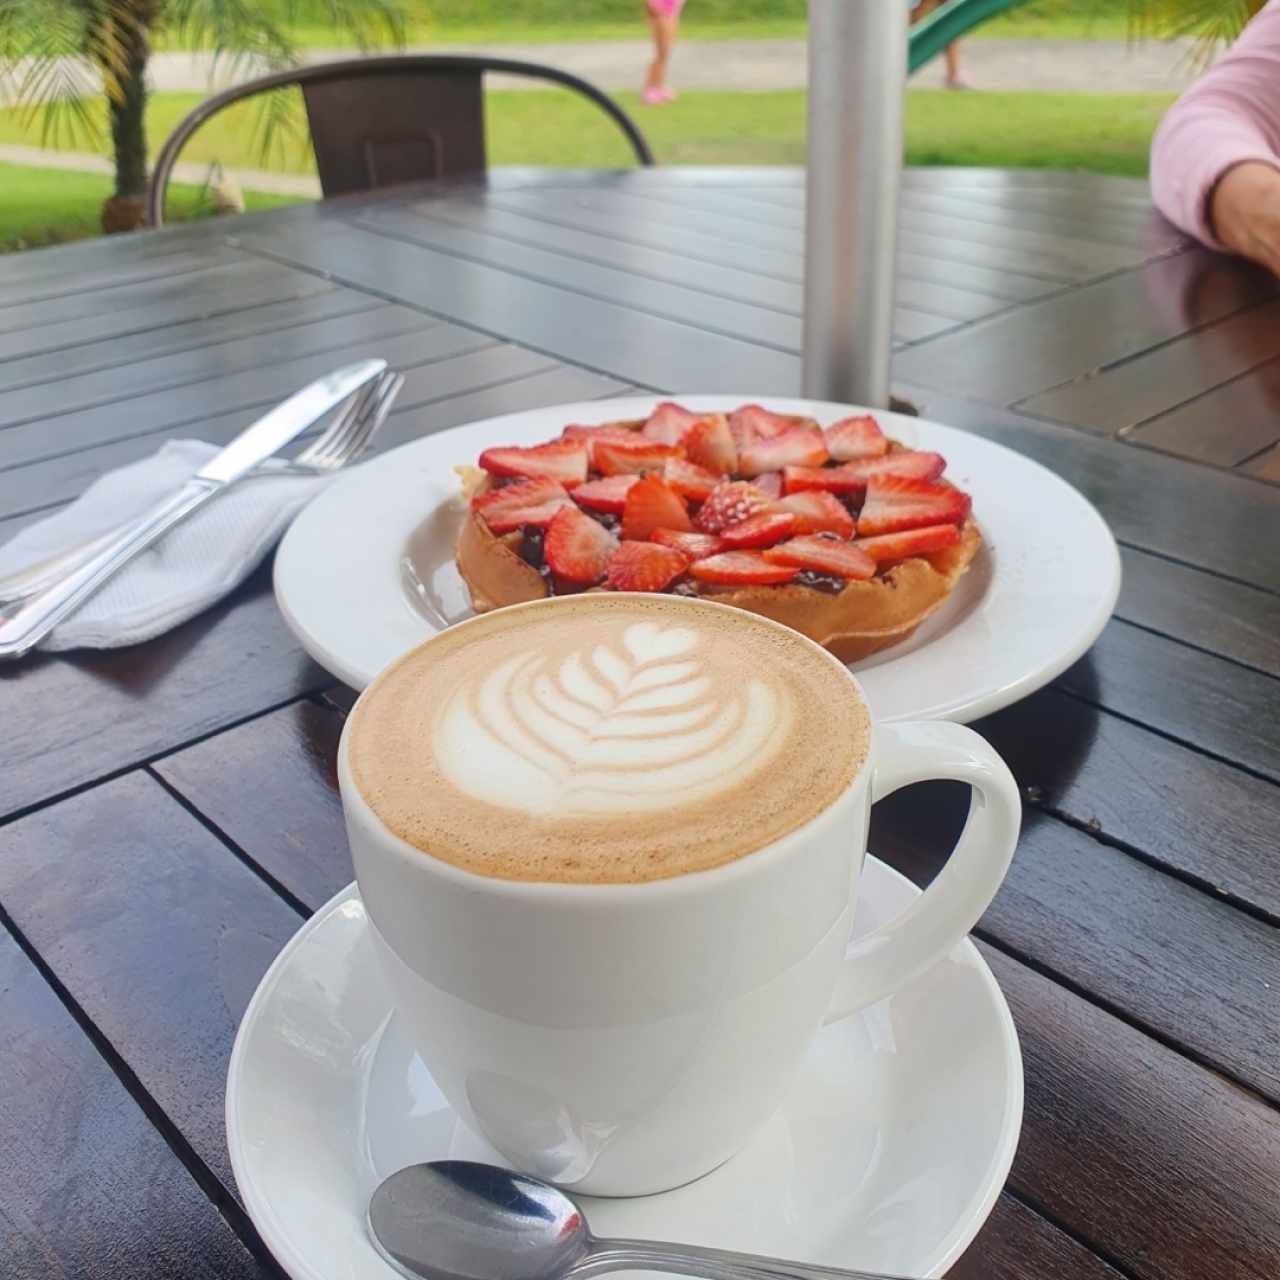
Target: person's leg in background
(664,19)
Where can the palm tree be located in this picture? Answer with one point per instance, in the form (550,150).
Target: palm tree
(1210,22)
(48,46)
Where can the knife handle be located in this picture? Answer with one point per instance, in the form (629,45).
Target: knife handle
(23,627)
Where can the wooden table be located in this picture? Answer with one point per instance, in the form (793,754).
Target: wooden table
(169,815)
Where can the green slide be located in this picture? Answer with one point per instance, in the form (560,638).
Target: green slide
(949,22)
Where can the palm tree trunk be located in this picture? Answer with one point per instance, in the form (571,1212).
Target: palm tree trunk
(125,210)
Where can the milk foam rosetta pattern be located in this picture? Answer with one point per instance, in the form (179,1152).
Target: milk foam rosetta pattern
(638,720)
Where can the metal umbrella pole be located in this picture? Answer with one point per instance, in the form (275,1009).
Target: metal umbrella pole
(857,82)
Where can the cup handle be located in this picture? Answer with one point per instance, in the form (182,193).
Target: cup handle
(900,950)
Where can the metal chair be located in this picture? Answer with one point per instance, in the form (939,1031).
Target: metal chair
(377,122)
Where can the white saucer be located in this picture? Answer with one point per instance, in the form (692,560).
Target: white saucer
(366,571)
(889,1154)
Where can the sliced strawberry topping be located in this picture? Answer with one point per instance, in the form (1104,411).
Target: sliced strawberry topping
(710,445)
(910,463)
(896,502)
(769,483)
(688,479)
(800,447)
(608,494)
(910,542)
(521,503)
(591,436)
(825,554)
(858,437)
(740,568)
(731,502)
(577,547)
(761,530)
(645,566)
(563,460)
(669,423)
(631,457)
(752,422)
(651,505)
(818,512)
(697,546)
(832,479)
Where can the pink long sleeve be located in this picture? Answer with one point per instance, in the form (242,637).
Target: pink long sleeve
(1231,114)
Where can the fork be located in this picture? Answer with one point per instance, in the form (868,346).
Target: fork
(344,440)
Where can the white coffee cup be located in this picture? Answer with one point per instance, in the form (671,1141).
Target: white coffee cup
(623,1039)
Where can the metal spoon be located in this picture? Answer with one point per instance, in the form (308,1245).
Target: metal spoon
(458,1220)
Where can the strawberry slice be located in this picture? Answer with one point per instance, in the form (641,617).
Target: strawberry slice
(731,502)
(577,547)
(632,457)
(524,502)
(896,502)
(740,569)
(910,542)
(688,479)
(832,479)
(607,494)
(913,464)
(858,437)
(669,423)
(651,505)
(761,530)
(591,436)
(818,512)
(645,566)
(769,483)
(563,460)
(751,423)
(824,553)
(697,546)
(799,447)
(710,445)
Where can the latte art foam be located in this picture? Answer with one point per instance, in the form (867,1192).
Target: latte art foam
(606,739)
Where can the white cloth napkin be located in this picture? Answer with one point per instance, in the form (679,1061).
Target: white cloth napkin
(188,569)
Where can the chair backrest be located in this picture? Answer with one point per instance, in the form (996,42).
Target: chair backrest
(377,122)
(949,22)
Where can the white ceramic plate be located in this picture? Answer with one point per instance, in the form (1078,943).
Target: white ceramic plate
(366,571)
(889,1154)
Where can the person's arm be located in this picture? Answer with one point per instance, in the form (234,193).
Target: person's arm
(1215,160)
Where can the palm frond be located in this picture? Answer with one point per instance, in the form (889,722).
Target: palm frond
(1210,23)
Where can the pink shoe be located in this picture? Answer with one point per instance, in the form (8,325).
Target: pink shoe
(656,95)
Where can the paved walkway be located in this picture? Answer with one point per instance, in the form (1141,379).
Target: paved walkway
(1061,66)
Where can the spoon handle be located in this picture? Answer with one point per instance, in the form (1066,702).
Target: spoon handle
(712,1264)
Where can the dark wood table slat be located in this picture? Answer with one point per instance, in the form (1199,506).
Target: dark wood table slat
(219,358)
(1266,466)
(72,719)
(1227,618)
(1070,257)
(604,336)
(90,1187)
(1172,1171)
(300,307)
(1158,381)
(1225,426)
(108,881)
(1046,344)
(1205,820)
(264,385)
(618,215)
(1018,1244)
(64,322)
(1197,698)
(1205,518)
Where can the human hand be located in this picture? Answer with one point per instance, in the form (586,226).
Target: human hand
(1244,211)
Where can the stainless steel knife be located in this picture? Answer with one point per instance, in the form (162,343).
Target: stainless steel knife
(22,628)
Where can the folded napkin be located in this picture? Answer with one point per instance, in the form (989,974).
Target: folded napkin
(188,569)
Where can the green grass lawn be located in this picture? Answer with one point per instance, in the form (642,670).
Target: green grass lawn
(1098,133)
(543,21)
(49,206)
